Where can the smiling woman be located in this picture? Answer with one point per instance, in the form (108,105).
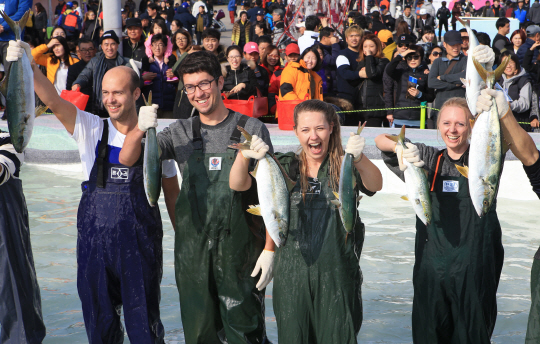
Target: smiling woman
(457,243)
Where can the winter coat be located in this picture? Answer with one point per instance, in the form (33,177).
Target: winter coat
(521,15)
(428,6)
(43,58)
(400,73)
(370,90)
(330,54)
(187,20)
(206,20)
(40,20)
(133,51)
(519,88)
(492,10)
(411,21)
(347,76)
(430,21)
(443,14)
(163,92)
(235,37)
(14,9)
(273,89)
(243,74)
(297,82)
(93,73)
(526,48)
(449,85)
(456,12)
(231,6)
(534,13)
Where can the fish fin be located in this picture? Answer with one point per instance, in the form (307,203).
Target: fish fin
(288,181)
(393,138)
(360,127)
(254,210)
(336,195)
(16,27)
(405,198)
(464,170)
(358,199)
(401,136)
(500,70)
(245,134)
(40,110)
(471,122)
(240,146)
(336,203)
(481,70)
(465,82)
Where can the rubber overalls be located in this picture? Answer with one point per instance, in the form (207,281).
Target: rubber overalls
(317,278)
(215,251)
(459,258)
(21,319)
(119,252)
(533,326)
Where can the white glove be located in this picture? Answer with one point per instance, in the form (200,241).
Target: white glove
(411,154)
(484,54)
(257,150)
(485,100)
(15,51)
(355,146)
(265,264)
(148,117)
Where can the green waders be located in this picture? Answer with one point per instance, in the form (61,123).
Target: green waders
(215,253)
(533,327)
(317,277)
(459,258)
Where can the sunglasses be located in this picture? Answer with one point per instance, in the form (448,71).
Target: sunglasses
(403,45)
(436,53)
(413,57)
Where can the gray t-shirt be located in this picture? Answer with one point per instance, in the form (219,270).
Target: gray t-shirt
(176,141)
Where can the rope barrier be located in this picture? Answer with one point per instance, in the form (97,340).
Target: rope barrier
(399,108)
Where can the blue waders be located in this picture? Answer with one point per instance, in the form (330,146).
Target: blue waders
(119,253)
(459,259)
(215,252)
(20,301)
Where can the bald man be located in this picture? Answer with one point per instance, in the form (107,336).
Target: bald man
(119,244)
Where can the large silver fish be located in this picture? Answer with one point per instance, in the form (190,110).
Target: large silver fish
(473,82)
(346,196)
(417,184)
(486,150)
(151,163)
(18,89)
(273,187)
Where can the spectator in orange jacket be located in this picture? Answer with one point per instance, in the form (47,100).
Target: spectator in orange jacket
(300,80)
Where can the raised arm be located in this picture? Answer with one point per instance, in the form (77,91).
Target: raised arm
(371,175)
(131,150)
(239,178)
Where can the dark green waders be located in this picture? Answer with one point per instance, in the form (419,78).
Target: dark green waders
(215,253)
(533,326)
(317,278)
(459,258)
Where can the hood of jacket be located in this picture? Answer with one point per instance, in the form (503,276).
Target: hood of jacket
(535,5)
(182,10)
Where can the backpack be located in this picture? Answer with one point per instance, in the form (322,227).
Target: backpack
(71,22)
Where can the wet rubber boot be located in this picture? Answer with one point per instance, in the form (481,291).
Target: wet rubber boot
(533,326)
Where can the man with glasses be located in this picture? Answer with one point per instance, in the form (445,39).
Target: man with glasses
(447,71)
(87,51)
(218,249)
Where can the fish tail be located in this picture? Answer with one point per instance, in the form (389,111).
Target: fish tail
(240,146)
(500,70)
(16,27)
(360,127)
(402,136)
(246,135)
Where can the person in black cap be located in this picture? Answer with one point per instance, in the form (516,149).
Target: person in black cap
(133,44)
(263,24)
(446,72)
(403,43)
(533,38)
(93,73)
(377,23)
(145,23)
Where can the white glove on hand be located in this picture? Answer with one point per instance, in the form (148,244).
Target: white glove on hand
(355,146)
(411,154)
(485,100)
(265,264)
(484,54)
(148,117)
(15,51)
(257,150)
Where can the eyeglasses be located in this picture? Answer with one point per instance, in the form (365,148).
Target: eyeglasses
(436,53)
(84,51)
(273,56)
(403,45)
(203,86)
(234,57)
(161,46)
(183,39)
(413,57)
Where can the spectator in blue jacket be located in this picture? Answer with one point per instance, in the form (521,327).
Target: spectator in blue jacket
(186,18)
(520,14)
(15,9)
(533,36)
(331,47)
(232,9)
